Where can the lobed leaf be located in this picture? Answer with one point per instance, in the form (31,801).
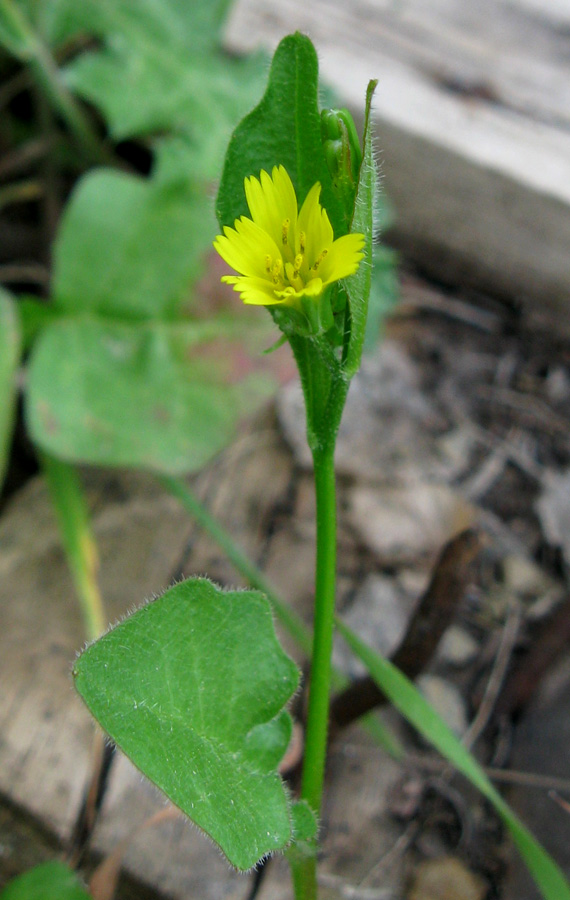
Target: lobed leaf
(172,77)
(192,687)
(132,394)
(128,248)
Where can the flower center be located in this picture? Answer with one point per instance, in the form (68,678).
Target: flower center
(289,272)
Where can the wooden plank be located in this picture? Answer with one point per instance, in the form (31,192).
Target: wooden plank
(472,119)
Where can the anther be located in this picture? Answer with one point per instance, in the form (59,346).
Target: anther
(268,264)
(277,270)
(302,241)
(319,260)
(298,263)
(285,231)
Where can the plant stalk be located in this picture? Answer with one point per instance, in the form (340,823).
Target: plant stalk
(77,539)
(325,583)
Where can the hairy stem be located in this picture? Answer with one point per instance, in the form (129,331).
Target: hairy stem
(325,582)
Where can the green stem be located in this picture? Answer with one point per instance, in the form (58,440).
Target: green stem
(77,539)
(304,874)
(288,618)
(325,582)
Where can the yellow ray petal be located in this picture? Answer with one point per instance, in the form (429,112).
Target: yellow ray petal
(343,258)
(257,291)
(246,247)
(315,223)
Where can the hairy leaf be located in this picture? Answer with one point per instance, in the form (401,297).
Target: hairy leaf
(192,687)
(284,129)
(358,285)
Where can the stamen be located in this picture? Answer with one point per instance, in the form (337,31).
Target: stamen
(277,270)
(298,263)
(302,241)
(285,231)
(319,260)
(268,264)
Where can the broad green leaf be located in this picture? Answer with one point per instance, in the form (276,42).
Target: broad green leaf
(128,248)
(168,22)
(49,881)
(172,79)
(192,688)
(10,341)
(130,394)
(358,285)
(16,35)
(35,315)
(413,706)
(285,128)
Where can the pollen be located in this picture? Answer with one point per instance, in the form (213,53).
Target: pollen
(319,259)
(272,250)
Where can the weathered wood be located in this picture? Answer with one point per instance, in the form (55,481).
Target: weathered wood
(472,113)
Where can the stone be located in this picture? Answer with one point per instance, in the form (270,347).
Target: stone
(400,523)
(553,508)
(379,614)
(457,647)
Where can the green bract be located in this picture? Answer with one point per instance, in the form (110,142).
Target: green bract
(192,689)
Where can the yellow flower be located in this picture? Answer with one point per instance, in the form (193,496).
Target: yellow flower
(282,254)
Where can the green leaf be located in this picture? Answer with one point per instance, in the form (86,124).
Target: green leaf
(172,78)
(16,35)
(358,285)
(50,881)
(413,706)
(128,248)
(284,129)
(10,347)
(135,394)
(192,688)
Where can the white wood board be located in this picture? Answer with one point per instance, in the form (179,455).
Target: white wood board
(472,117)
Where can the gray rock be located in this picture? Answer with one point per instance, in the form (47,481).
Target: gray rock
(379,615)
(553,508)
(457,647)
